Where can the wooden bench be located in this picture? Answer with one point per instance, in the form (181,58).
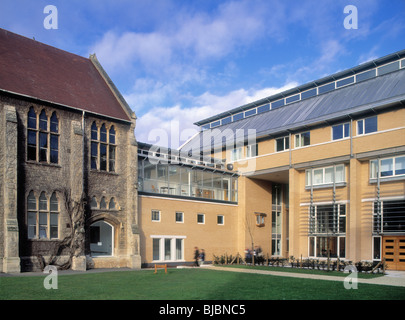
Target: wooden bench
(161,266)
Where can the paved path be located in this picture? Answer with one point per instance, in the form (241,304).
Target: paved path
(392,278)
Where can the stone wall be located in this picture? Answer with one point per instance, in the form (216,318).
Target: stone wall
(18,177)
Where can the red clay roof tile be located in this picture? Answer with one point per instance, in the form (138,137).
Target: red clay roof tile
(34,69)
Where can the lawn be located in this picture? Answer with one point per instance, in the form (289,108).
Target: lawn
(188,284)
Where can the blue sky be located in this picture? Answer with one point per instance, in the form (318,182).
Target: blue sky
(177,62)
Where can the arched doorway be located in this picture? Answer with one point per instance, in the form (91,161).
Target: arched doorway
(101,239)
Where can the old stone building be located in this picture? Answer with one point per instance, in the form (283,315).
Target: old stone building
(68,158)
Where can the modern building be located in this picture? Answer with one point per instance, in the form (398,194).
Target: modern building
(67,155)
(317,171)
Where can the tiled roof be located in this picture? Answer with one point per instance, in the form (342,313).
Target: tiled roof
(33,69)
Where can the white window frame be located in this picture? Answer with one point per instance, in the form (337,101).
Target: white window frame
(284,144)
(252,150)
(203,216)
(223,219)
(343,131)
(152,217)
(363,121)
(236,154)
(374,168)
(182,217)
(173,249)
(310,173)
(298,143)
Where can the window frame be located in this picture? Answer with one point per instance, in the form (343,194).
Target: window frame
(181,214)
(343,127)
(203,218)
(155,212)
(299,139)
(161,241)
(363,124)
(373,168)
(285,138)
(40,212)
(309,184)
(101,141)
(44,133)
(222,218)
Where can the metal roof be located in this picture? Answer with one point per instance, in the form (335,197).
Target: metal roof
(335,105)
(307,86)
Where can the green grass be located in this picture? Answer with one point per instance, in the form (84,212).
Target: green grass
(188,284)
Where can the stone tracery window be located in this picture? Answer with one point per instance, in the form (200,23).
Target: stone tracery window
(42,137)
(103,148)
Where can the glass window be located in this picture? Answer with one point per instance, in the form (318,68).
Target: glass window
(250,113)
(326,88)
(54,203)
(341,131)
(43,146)
(32,145)
(103,133)
(155,215)
(94,131)
(94,155)
(387,167)
(43,121)
(399,165)
(43,202)
(328,175)
(32,225)
(238,116)
(277,104)
(32,201)
(318,176)
(236,154)
(220,219)
(179,249)
(179,217)
(43,225)
(308,94)
(370,125)
(302,139)
(226,120)
(264,108)
(200,218)
(54,123)
(340,173)
(156,249)
(111,158)
(168,249)
(367,125)
(112,135)
(282,144)
(32,119)
(103,157)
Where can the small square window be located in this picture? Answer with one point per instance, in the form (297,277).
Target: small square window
(260,219)
(155,215)
(179,217)
(220,220)
(200,218)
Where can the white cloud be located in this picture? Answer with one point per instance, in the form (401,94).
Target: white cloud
(171,126)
